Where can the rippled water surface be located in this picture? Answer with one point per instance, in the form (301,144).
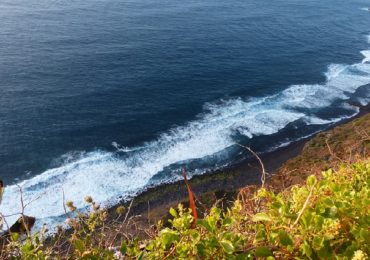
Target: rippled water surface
(109,97)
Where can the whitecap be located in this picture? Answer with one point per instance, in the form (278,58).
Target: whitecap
(108,177)
(366,54)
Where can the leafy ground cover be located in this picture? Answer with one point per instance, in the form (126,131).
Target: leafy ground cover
(325,218)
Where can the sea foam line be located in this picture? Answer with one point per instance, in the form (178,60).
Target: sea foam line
(107,177)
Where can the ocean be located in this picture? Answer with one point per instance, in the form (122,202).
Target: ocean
(109,97)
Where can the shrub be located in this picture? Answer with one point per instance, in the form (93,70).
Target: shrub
(322,219)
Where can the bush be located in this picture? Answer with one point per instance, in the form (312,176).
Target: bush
(323,219)
(320,220)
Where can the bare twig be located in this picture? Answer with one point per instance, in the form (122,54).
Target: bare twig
(6,223)
(12,215)
(64,203)
(362,133)
(28,203)
(123,222)
(304,206)
(331,151)
(172,250)
(128,211)
(23,208)
(264,173)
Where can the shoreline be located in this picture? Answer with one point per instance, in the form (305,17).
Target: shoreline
(154,203)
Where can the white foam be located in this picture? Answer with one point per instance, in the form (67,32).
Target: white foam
(312,120)
(106,176)
(364,100)
(334,70)
(123,149)
(366,55)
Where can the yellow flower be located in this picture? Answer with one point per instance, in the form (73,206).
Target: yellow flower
(88,199)
(359,255)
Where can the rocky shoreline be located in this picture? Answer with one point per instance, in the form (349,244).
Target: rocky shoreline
(153,204)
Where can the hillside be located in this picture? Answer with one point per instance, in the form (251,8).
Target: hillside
(315,206)
(345,143)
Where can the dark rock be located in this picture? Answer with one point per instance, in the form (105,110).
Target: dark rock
(22,225)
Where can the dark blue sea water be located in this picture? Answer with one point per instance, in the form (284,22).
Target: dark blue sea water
(106,98)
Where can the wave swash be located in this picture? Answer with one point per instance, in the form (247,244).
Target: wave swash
(108,177)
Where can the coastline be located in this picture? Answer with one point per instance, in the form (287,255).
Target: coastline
(153,204)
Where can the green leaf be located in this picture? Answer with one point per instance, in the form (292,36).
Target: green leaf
(326,251)
(215,212)
(168,237)
(242,256)
(261,217)
(37,240)
(27,247)
(227,221)
(328,202)
(212,242)
(285,239)
(141,256)
(261,233)
(227,246)
(311,180)
(290,215)
(306,219)
(201,249)
(194,234)
(173,212)
(273,236)
(319,221)
(364,234)
(306,249)
(262,252)
(123,248)
(205,224)
(318,243)
(15,237)
(79,245)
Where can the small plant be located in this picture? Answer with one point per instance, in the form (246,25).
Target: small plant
(325,218)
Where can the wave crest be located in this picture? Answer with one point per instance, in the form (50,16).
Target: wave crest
(108,177)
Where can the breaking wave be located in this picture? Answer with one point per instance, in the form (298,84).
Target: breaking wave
(110,176)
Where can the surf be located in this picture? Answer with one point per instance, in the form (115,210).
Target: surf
(121,175)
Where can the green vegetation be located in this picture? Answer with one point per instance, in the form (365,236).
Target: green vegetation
(316,206)
(345,143)
(322,219)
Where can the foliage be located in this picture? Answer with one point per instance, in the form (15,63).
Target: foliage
(345,143)
(322,219)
